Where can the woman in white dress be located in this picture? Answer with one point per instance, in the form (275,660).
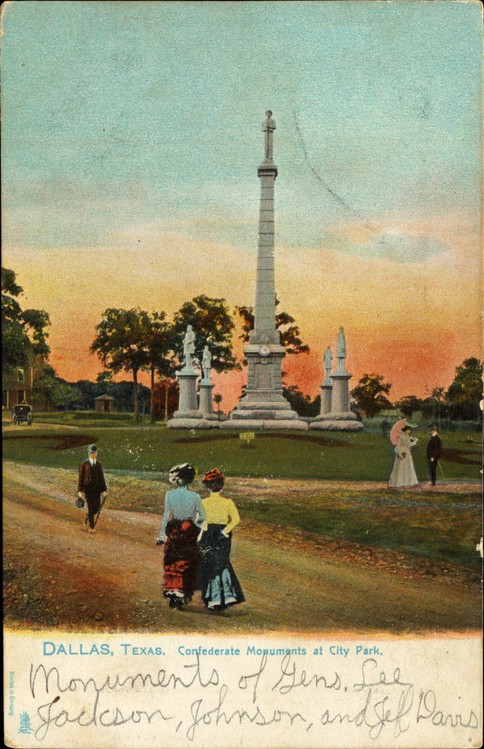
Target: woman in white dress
(403,475)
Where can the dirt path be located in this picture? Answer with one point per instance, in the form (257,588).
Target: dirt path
(57,575)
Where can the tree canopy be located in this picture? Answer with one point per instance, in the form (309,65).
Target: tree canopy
(409,404)
(285,324)
(161,344)
(302,404)
(370,394)
(122,343)
(56,391)
(213,326)
(465,392)
(24,333)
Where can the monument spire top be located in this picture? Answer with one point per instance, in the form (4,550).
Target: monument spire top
(268,127)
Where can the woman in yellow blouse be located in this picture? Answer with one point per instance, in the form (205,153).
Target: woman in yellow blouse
(218,581)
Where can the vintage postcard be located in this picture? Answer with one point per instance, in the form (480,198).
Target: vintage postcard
(242,374)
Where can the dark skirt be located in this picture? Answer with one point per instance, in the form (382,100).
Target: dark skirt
(180,561)
(218,581)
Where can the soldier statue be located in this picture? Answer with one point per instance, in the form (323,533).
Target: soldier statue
(189,347)
(328,362)
(268,127)
(206,363)
(341,350)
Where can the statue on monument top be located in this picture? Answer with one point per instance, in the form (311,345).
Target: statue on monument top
(189,347)
(206,363)
(341,350)
(328,364)
(268,127)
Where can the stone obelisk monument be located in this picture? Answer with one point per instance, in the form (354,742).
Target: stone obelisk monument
(264,406)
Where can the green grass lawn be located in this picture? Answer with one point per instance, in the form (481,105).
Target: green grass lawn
(342,456)
(88,418)
(420,524)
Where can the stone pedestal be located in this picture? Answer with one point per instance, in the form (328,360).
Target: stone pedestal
(188,414)
(264,406)
(206,400)
(340,401)
(326,394)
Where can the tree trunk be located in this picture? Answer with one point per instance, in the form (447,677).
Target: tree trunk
(152,397)
(167,390)
(135,393)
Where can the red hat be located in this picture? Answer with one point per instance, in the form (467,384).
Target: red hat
(213,475)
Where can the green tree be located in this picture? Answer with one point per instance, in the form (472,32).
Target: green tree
(301,403)
(56,391)
(285,324)
(218,400)
(123,394)
(122,344)
(24,333)
(213,325)
(409,404)
(435,406)
(166,398)
(465,392)
(370,394)
(87,393)
(161,346)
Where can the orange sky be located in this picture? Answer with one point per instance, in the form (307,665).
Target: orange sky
(412,322)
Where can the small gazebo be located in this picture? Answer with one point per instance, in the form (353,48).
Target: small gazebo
(104,403)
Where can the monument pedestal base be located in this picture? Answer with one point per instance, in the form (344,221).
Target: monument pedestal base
(259,424)
(189,423)
(337,422)
(264,410)
(206,400)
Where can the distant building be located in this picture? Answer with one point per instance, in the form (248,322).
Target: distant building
(17,386)
(104,403)
(389,413)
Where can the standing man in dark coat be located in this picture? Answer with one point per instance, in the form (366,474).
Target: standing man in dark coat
(434,451)
(91,486)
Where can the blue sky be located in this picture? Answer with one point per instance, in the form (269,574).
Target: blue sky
(120,113)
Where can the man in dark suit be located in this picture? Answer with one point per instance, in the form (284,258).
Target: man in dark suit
(434,451)
(91,486)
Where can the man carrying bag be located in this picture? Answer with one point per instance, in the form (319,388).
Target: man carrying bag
(92,487)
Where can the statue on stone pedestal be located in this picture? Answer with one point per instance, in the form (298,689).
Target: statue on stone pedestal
(189,347)
(206,363)
(341,350)
(328,363)
(268,127)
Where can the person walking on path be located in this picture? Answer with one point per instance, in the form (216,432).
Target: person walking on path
(91,486)
(434,452)
(403,475)
(218,581)
(180,529)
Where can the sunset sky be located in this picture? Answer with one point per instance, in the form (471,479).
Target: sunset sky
(131,140)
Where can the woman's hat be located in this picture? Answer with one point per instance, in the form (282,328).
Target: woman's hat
(93,448)
(183,474)
(213,475)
